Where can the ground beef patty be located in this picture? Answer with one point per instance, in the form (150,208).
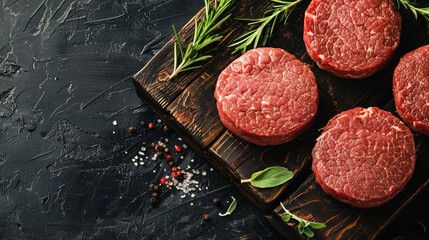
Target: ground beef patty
(411,89)
(267,96)
(364,157)
(351,38)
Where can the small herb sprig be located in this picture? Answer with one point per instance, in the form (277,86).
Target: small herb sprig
(412,6)
(204,35)
(280,12)
(269,177)
(231,208)
(304,226)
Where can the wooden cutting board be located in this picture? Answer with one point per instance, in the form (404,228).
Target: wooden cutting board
(187,104)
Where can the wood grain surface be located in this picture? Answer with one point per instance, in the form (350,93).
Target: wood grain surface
(187,104)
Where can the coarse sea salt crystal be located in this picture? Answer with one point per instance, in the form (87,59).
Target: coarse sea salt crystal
(192,195)
(204,173)
(143,149)
(184,146)
(142,163)
(115,123)
(133,160)
(192,204)
(136,164)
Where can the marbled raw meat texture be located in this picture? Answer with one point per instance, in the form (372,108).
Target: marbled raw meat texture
(411,89)
(351,38)
(267,96)
(364,157)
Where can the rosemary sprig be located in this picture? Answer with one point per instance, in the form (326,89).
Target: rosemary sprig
(204,35)
(280,12)
(304,226)
(412,6)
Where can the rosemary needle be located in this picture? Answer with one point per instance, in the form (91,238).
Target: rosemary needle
(204,35)
(424,12)
(280,12)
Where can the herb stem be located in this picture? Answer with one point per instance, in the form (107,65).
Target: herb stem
(293,216)
(245,180)
(280,11)
(424,12)
(205,34)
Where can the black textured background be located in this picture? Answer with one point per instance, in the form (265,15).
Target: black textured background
(65,169)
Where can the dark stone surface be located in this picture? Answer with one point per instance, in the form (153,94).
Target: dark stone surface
(64,173)
(65,169)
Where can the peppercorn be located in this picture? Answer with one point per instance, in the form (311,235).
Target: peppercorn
(168,157)
(155,194)
(202,223)
(178,173)
(151,125)
(206,217)
(163,180)
(152,145)
(166,150)
(151,187)
(166,128)
(171,163)
(131,129)
(216,201)
(161,139)
(174,169)
(177,148)
(158,153)
(153,200)
(155,188)
(173,175)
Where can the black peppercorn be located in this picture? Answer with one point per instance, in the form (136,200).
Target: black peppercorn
(161,139)
(155,188)
(153,200)
(151,186)
(152,145)
(131,129)
(155,194)
(171,163)
(216,201)
(166,128)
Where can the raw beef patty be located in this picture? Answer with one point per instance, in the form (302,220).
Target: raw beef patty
(351,38)
(411,89)
(267,96)
(364,157)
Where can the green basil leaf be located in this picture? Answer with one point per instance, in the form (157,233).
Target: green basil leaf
(271,177)
(286,217)
(231,208)
(317,225)
(308,232)
(300,228)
